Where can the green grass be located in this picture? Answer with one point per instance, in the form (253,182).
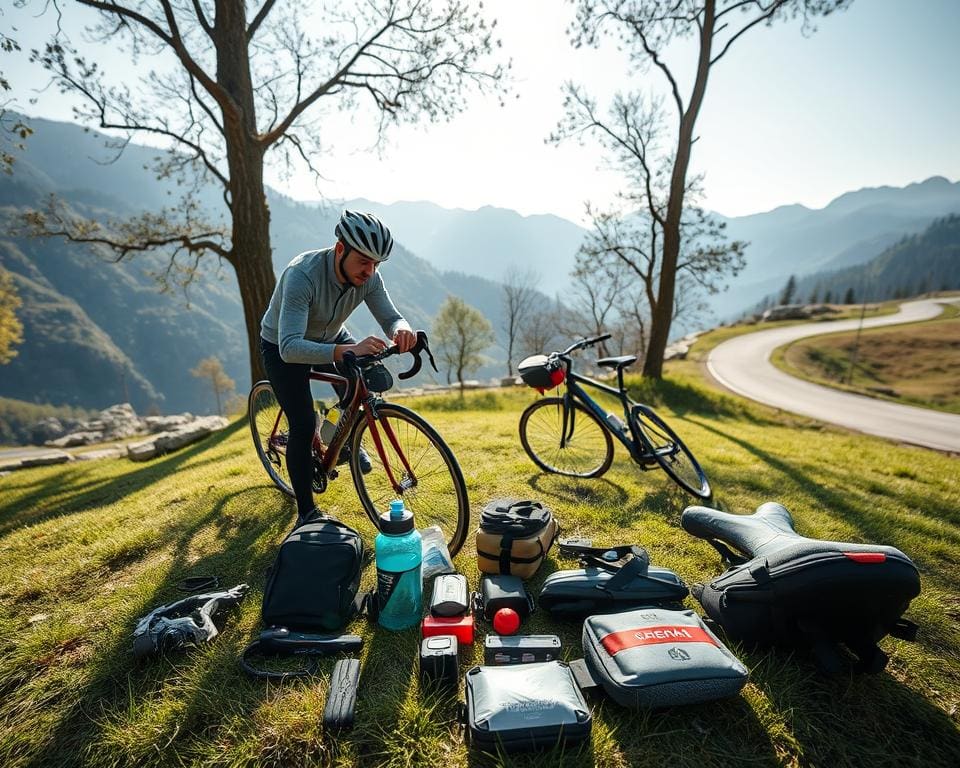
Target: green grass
(86,549)
(915,363)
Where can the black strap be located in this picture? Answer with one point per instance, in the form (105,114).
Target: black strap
(312,667)
(626,574)
(727,554)
(198,583)
(506,544)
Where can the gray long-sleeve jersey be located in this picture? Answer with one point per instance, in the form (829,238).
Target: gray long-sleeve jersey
(309,306)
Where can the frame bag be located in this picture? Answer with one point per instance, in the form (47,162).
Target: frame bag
(313,582)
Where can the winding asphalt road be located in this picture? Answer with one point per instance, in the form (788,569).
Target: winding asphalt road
(743,365)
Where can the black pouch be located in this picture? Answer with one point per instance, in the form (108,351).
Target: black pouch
(500,591)
(314,580)
(525,707)
(617,579)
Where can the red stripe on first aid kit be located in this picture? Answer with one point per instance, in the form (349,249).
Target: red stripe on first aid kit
(632,638)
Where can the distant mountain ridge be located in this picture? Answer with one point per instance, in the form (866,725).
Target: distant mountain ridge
(97,332)
(915,264)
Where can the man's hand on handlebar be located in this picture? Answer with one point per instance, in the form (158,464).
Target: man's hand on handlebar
(371,345)
(405,339)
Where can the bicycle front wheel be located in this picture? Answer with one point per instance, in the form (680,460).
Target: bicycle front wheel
(661,443)
(410,461)
(270,430)
(585,451)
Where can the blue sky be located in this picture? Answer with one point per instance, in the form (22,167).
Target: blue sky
(869,99)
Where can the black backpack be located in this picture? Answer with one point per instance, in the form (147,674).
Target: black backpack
(314,581)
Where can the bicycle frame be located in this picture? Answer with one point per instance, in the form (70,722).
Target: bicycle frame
(574,391)
(362,405)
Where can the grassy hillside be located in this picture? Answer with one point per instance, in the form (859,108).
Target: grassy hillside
(917,363)
(88,549)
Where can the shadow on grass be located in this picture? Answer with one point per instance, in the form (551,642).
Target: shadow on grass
(594,491)
(96,492)
(851,719)
(116,686)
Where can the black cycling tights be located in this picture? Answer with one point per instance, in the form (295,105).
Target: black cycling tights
(291,385)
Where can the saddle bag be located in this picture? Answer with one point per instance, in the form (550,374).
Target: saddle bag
(541,372)
(313,582)
(617,579)
(787,590)
(525,707)
(657,658)
(514,537)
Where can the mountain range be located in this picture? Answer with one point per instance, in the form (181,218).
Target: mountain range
(99,332)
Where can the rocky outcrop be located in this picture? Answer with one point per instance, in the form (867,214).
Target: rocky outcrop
(164,442)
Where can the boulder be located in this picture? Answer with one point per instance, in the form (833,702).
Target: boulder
(156,424)
(76,438)
(46,429)
(114,452)
(45,459)
(164,442)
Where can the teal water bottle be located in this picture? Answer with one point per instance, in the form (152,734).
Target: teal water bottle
(398,556)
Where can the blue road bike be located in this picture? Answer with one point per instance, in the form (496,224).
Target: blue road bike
(573,435)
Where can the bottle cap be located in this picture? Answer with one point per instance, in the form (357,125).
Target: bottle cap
(398,520)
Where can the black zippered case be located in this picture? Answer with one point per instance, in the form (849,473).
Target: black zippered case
(525,707)
(620,579)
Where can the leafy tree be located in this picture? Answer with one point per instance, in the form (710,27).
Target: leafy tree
(245,79)
(11,329)
(850,297)
(519,294)
(461,333)
(637,127)
(789,291)
(211,368)
(13,131)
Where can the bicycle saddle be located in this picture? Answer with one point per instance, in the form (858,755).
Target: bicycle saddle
(617,362)
(769,533)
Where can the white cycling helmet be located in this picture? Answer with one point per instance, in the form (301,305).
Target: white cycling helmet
(364,232)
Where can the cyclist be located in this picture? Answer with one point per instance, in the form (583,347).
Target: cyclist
(303,329)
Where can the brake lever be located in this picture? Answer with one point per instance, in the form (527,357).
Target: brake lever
(421,346)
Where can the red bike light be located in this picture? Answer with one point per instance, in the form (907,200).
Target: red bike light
(557,377)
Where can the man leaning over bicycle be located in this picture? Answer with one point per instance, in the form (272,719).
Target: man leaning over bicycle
(303,329)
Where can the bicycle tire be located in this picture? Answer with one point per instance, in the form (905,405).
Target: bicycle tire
(540,436)
(671,453)
(262,410)
(443,501)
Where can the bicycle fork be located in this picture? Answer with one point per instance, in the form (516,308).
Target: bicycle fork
(566,434)
(410,480)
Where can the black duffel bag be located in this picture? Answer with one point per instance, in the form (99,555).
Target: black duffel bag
(313,584)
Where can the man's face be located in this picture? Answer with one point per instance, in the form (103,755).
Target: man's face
(358,268)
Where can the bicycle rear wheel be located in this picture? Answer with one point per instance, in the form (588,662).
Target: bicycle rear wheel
(661,443)
(587,452)
(270,430)
(425,472)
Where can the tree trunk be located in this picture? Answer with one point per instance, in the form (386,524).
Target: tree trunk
(662,316)
(250,252)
